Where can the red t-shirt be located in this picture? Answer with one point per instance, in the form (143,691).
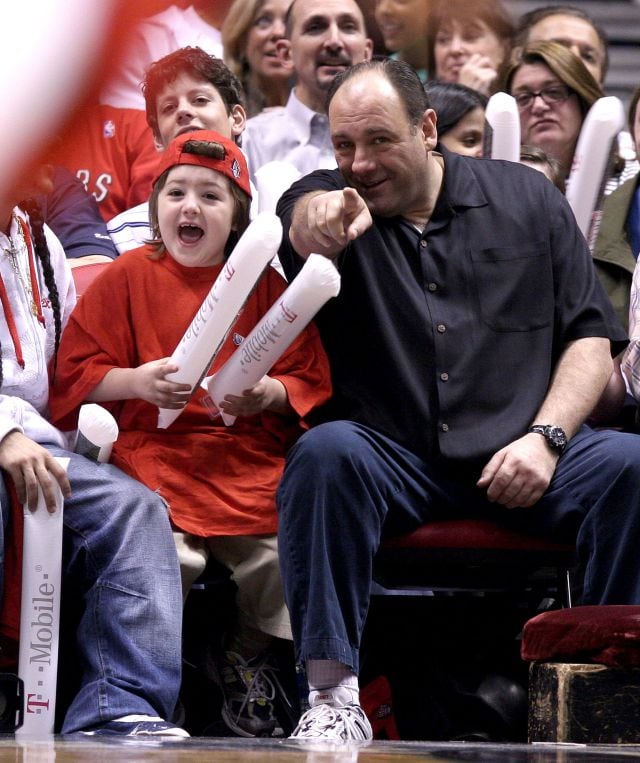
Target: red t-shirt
(113,153)
(218,480)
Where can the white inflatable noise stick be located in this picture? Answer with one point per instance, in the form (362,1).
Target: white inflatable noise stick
(503,117)
(202,340)
(603,122)
(314,285)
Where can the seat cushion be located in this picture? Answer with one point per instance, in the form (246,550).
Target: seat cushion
(605,635)
(472,533)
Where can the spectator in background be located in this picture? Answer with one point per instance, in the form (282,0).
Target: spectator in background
(249,35)
(571,27)
(73,215)
(537,159)
(554,91)
(575,29)
(460,111)
(467,43)
(403,25)
(112,151)
(196,25)
(619,237)
(320,42)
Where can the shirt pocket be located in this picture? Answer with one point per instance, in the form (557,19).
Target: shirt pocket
(514,286)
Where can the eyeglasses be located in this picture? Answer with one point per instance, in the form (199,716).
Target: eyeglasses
(550,95)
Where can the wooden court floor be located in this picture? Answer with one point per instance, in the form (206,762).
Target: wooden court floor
(75,749)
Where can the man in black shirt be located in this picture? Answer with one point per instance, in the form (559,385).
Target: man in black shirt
(470,341)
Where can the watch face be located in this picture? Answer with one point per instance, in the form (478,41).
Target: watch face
(557,437)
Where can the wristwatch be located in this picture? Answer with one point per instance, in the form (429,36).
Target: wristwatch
(555,436)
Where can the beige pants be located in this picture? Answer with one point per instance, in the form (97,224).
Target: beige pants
(253,562)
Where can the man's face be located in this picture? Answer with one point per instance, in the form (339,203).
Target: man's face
(576,34)
(188,104)
(326,38)
(378,152)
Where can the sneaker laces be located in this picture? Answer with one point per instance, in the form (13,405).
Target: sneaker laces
(260,686)
(326,721)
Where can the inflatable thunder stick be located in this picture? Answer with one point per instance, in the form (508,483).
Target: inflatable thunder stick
(314,285)
(97,431)
(272,180)
(202,340)
(40,614)
(502,114)
(603,122)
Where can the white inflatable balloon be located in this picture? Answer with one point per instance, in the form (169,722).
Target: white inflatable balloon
(503,117)
(202,340)
(603,122)
(40,614)
(272,180)
(314,285)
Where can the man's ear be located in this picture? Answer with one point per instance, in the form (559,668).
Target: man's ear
(283,51)
(429,129)
(368,51)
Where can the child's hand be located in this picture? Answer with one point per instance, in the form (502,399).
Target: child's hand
(150,384)
(267,394)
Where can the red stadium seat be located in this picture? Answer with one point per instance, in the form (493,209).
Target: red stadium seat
(84,275)
(473,555)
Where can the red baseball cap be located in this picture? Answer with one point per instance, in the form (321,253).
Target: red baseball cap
(191,148)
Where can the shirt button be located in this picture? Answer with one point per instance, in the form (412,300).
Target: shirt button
(444,376)
(444,427)
(432,287)
(423,244)
(441,328)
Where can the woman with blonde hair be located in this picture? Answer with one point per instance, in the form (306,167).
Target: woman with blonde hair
(554,91)
(249,35)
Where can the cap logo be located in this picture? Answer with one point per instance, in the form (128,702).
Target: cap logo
(235,168)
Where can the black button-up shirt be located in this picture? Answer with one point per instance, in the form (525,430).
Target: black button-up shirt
(445,340)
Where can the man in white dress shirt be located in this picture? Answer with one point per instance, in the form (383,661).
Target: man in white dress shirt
(322,39)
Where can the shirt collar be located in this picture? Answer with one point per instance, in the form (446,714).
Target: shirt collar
(460,184)
(300,116)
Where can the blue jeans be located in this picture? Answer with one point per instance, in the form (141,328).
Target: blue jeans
(120,558)
(345,487)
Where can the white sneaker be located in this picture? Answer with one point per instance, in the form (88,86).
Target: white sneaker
(346,723)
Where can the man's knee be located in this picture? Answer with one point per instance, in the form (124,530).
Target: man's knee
(327,447)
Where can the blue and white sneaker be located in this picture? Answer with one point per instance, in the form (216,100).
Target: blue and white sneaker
(137,726)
